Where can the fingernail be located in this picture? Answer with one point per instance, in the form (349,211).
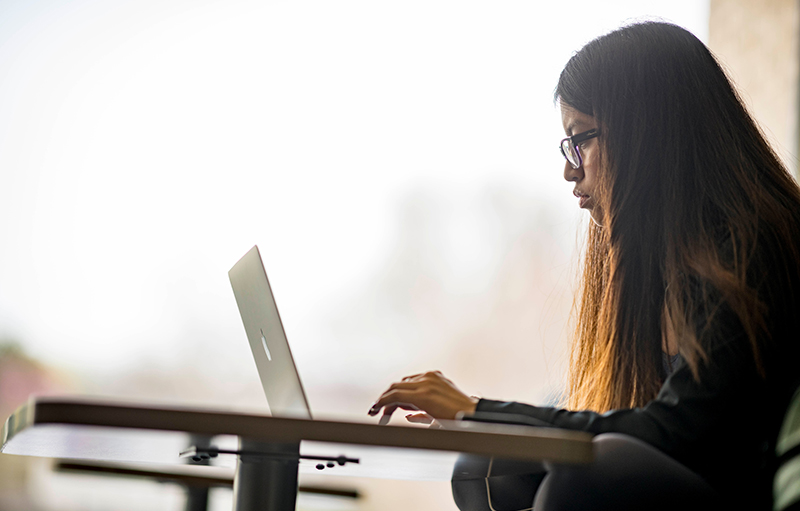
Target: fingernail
(373,410)
(384,420)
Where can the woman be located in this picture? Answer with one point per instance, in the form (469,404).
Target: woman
(685,353)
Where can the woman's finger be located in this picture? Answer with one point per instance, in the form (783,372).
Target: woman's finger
(419,418)
(399,392)
(387,415)
(398,398)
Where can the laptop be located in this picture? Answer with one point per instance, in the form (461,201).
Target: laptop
(262,323)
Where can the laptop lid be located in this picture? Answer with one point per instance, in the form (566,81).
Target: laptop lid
(262,323)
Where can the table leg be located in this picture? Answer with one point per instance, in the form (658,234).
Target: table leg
(196,498)
(265,483)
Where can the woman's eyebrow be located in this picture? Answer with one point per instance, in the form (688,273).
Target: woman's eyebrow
(571,127)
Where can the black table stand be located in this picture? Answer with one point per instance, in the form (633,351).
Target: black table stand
(266,476)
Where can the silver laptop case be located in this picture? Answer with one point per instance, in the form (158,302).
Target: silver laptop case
(262,323)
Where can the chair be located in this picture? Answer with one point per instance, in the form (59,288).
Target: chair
(786,486)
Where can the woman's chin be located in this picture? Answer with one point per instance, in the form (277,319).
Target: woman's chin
(597,216)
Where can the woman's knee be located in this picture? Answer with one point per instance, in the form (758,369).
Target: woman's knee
(626,473)
(486,484)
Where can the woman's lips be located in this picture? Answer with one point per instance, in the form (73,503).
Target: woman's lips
(583,199)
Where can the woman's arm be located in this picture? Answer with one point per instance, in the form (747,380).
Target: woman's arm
(689,419)
(685,412)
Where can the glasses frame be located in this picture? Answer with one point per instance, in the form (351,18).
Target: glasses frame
(573,142)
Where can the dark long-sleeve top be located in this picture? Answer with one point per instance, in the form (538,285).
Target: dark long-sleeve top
(722,426)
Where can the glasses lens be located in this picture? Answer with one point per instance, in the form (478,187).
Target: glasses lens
(570,153)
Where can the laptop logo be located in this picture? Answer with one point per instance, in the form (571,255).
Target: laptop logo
(266,348)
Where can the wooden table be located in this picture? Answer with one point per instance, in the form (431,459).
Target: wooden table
(270,448)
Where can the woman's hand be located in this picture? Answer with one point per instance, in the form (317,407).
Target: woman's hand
(430,394)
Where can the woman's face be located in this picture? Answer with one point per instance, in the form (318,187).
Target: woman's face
(585,177)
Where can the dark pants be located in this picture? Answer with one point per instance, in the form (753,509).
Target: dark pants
(626,474)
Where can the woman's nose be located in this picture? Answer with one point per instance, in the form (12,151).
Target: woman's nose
(572,174)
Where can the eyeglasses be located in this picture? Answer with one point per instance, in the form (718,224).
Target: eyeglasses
(569,146)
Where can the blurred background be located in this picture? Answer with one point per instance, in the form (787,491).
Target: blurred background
(396,163)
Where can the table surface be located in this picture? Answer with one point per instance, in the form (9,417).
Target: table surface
(83,428)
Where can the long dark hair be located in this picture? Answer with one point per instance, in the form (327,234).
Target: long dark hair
(693,200)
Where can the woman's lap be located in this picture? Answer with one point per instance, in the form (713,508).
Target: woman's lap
(625,474)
